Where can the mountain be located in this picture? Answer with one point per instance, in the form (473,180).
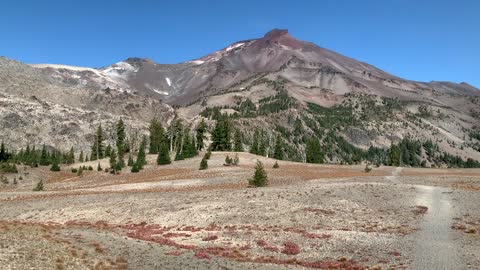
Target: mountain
(276,83)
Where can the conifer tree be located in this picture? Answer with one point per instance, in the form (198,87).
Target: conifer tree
(276,166)
(278,151)
(120,143)
(55,167)
(163,155)
(203,164)
(108,150)
(221,135)
(113,161)
(80,157)
(157,136)
(141,157)
(135,168)
(237,141)
(394,155)
(3,152)
(71,156)
(313,151)
(39,186)
(130,160)
(200,134)
(255,143)
(99,168)
(44,158)
(97,147)
(260,178)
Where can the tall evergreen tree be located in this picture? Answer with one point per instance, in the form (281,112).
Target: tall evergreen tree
(313,151)
(163,155)
(121,136)
(44,157)
(71,156)
(278,151)
(157,136)
(3,152)
(255,143)
(394,155)
(200,134)
(221,135)
(80,157)
(237,141)
(141,157)
(113,161)
(97,151)
(260,178)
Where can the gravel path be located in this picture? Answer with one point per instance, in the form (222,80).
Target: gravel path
(435,247)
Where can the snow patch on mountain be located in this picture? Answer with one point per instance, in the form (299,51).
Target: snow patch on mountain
(168,81)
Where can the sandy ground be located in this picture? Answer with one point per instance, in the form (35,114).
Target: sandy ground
(177,217)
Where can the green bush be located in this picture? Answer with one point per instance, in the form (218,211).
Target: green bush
(135,168)
(39,186)
(260,178)
(276,166)
(55,167)
(203,164)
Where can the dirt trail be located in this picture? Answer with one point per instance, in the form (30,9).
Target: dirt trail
(435,246)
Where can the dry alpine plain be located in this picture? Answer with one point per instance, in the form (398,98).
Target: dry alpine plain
(178,217)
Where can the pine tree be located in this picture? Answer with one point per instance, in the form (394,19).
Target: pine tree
(394,156)
(255,143)
(97,147)
(3,152)
(157,136)
(39,186)
(221,136)
(71,156)
(99,168)
(278,151)
(130,160)
(179,155)
(80,157)
(208,154)
(113,161)
(237,141)
(44,159)
(55,167)
(203,164)
(260,178)
(141,157)
(108,150)
(201,130)
(121,143)
(163,155)
(313,151)
(135,168)
(276,166)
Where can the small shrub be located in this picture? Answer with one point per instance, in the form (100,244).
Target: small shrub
(135,168)
(74,170)
(228,161)
(20,178)
(203,164)
(99,168)
(236,160)
(39,186)
(276,166)
(208,154)
(260,178)
(80,171)
(8,168)
(368,168)
(4,180)
(15,181)
(90,168)
(55,167)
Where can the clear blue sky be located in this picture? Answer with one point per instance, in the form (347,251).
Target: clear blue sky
(416,39)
